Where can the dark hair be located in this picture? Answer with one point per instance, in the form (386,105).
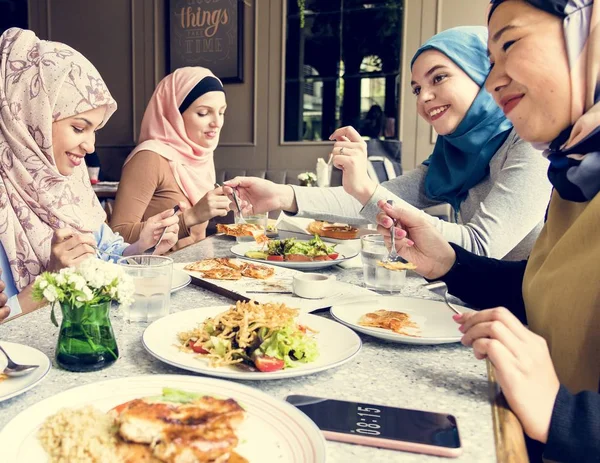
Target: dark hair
(374,121)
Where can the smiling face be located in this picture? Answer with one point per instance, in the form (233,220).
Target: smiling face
(74,137)
(530,78)
(204,119)
(444,91)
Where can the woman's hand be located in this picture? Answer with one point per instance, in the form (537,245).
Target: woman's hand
(153,230)
(4,311)
(263,195)
(416,240)
(350,155)
(215,203)
(69,248)
(522,362)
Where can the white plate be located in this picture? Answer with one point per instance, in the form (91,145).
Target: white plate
(345,251)
(180,280)
(337,345)
(25,355)
(273,430)
(433,318)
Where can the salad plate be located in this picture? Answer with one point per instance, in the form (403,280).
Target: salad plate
(433,319)
(25,355)
(272,429)
(336,345)
(336,254)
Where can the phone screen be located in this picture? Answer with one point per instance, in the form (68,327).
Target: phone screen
(379,421)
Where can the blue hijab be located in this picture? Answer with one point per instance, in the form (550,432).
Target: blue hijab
(461,160)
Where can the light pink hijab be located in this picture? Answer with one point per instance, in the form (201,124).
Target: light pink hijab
(163,132)
(42,82)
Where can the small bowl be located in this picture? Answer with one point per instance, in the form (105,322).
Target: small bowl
(312,285)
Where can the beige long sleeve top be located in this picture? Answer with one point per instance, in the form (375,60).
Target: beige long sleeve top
(148,187)
(501,216)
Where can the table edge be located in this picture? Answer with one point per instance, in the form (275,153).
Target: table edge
(508,432)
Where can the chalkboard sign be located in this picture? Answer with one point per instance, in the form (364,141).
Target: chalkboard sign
(207,33)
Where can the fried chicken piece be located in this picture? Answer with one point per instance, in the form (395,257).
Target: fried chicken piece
(191,444)
(142,422)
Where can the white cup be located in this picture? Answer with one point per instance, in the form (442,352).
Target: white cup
(312,285)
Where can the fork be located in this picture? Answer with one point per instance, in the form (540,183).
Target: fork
(153,248)
(441,289)
(15,369)
(393,255)
(235,200)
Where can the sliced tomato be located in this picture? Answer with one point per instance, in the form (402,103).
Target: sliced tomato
(199,349)
(297,258)
(265,363)
(334,255)
(275,258)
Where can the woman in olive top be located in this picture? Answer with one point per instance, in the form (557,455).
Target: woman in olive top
(546,75)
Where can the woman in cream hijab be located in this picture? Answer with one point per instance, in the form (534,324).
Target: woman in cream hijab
(173,162)
(52,102)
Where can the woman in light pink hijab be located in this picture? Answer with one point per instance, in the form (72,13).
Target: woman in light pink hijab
(173,162)
(52,102)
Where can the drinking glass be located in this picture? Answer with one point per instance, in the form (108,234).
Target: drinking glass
(152,277)
(256,219)
(373,250)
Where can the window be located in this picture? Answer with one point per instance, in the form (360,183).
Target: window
(13,13)
(342,67)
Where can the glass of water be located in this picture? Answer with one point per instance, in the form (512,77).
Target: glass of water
(152,280)
(372,251)
(257,219)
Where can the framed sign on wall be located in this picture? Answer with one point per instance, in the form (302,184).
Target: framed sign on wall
(207,33)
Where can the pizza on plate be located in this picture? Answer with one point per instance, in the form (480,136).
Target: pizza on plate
(244,229)
(223,268)
(398,322)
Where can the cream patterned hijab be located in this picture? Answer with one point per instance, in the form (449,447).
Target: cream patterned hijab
(42,82)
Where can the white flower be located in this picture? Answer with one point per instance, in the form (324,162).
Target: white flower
(93,280)
(78,282)
(87,295)
(50,293)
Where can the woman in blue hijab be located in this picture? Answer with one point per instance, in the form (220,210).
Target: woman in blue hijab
(495,182)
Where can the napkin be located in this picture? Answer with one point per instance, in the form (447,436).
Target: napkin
(293,224)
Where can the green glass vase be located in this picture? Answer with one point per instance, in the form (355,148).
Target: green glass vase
(86,341)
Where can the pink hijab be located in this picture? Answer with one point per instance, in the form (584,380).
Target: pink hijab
(163,132)
(42,82)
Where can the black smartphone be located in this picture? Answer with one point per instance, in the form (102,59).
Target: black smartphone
(381,426)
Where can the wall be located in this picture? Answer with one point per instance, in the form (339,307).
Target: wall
(125,40)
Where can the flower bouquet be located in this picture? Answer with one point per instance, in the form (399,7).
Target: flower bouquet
(307,179)
(86,340)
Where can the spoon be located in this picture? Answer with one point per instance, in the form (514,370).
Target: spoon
(441,289)
(14,369)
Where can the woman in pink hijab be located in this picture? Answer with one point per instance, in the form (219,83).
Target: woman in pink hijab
(52,103)
(173,162)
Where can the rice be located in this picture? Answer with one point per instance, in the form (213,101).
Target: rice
(83,435)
